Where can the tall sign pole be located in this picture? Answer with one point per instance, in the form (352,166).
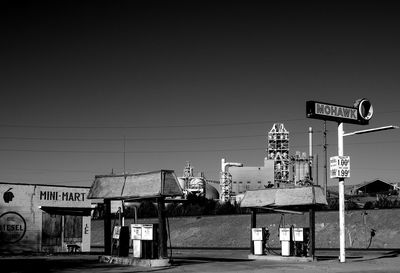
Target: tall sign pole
(310,154)
(342,235)
(325,163)
(360,114)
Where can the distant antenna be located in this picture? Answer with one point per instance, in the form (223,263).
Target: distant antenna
(124,153)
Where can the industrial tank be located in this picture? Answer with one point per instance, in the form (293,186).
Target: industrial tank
(197,184)
(211,192)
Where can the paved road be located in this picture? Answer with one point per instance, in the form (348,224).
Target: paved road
(209,261)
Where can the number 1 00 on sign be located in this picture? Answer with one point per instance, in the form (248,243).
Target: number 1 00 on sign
(340,166)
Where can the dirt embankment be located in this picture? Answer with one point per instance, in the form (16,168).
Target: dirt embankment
(234,230)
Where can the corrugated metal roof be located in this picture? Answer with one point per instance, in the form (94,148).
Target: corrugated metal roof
(361,185)
(284,197)
(135,186)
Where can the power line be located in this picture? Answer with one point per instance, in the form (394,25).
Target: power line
(4,125)
(41,182)
(143,126)
(175,151)
(48,170)
(152,151)
(128,152)
(136,139)
(61,151)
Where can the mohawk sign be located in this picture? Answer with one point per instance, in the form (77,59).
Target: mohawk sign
(361,113)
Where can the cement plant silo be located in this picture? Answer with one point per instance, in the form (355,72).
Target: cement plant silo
(197,185)
(211,192)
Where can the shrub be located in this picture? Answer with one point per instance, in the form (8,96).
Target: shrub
(369,205)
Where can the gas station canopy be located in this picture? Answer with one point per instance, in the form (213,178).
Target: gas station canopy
(284,197)
(77,211)
(161,183)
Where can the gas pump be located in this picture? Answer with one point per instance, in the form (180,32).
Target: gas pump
(123,250)
(150,241)
(285,236)
(301,239)
(257,236)
(115,240)
(145,241)
(136,237)
(120,237)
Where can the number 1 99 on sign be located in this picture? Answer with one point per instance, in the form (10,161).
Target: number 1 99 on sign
(340,166)
(344,173)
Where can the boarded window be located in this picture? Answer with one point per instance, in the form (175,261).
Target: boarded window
(72,229)
(51,229)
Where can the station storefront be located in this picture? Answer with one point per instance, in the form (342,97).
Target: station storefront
(44,218)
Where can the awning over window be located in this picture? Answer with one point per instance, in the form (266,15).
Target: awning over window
(284,197)
(161,183)
(77,211)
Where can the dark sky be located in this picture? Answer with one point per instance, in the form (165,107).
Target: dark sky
(194,81)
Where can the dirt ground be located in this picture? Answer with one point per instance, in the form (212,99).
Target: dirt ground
(234,231)
(209,261)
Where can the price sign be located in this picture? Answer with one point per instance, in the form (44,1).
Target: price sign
(340,166)
(147,232)
(136,231)
(116,232)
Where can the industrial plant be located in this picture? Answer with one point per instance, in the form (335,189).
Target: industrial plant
(197,185)
(280,169)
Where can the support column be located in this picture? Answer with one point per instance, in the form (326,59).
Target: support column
(162,229)
(342,226)
(253,224)
(312,232)
(107,227)
(310,154)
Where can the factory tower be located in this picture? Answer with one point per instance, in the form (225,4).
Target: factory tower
(278,150)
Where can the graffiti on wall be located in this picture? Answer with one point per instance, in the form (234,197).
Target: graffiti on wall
(8,196)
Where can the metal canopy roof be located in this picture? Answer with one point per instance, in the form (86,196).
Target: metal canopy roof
(284,197)
(162,183)
(78,211)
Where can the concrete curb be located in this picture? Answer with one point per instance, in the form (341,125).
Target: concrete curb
(134,261)
(278,258)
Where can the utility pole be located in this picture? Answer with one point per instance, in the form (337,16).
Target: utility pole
(310,153)
(325,163)
(342,238)
(124,154)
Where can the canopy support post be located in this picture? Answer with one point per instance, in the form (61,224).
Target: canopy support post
(162,230)
(107,227)
(253,224)
(312,232)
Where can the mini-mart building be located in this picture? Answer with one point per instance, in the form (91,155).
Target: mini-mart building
(44,218)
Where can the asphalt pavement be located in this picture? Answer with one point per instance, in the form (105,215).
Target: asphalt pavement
(206,260)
